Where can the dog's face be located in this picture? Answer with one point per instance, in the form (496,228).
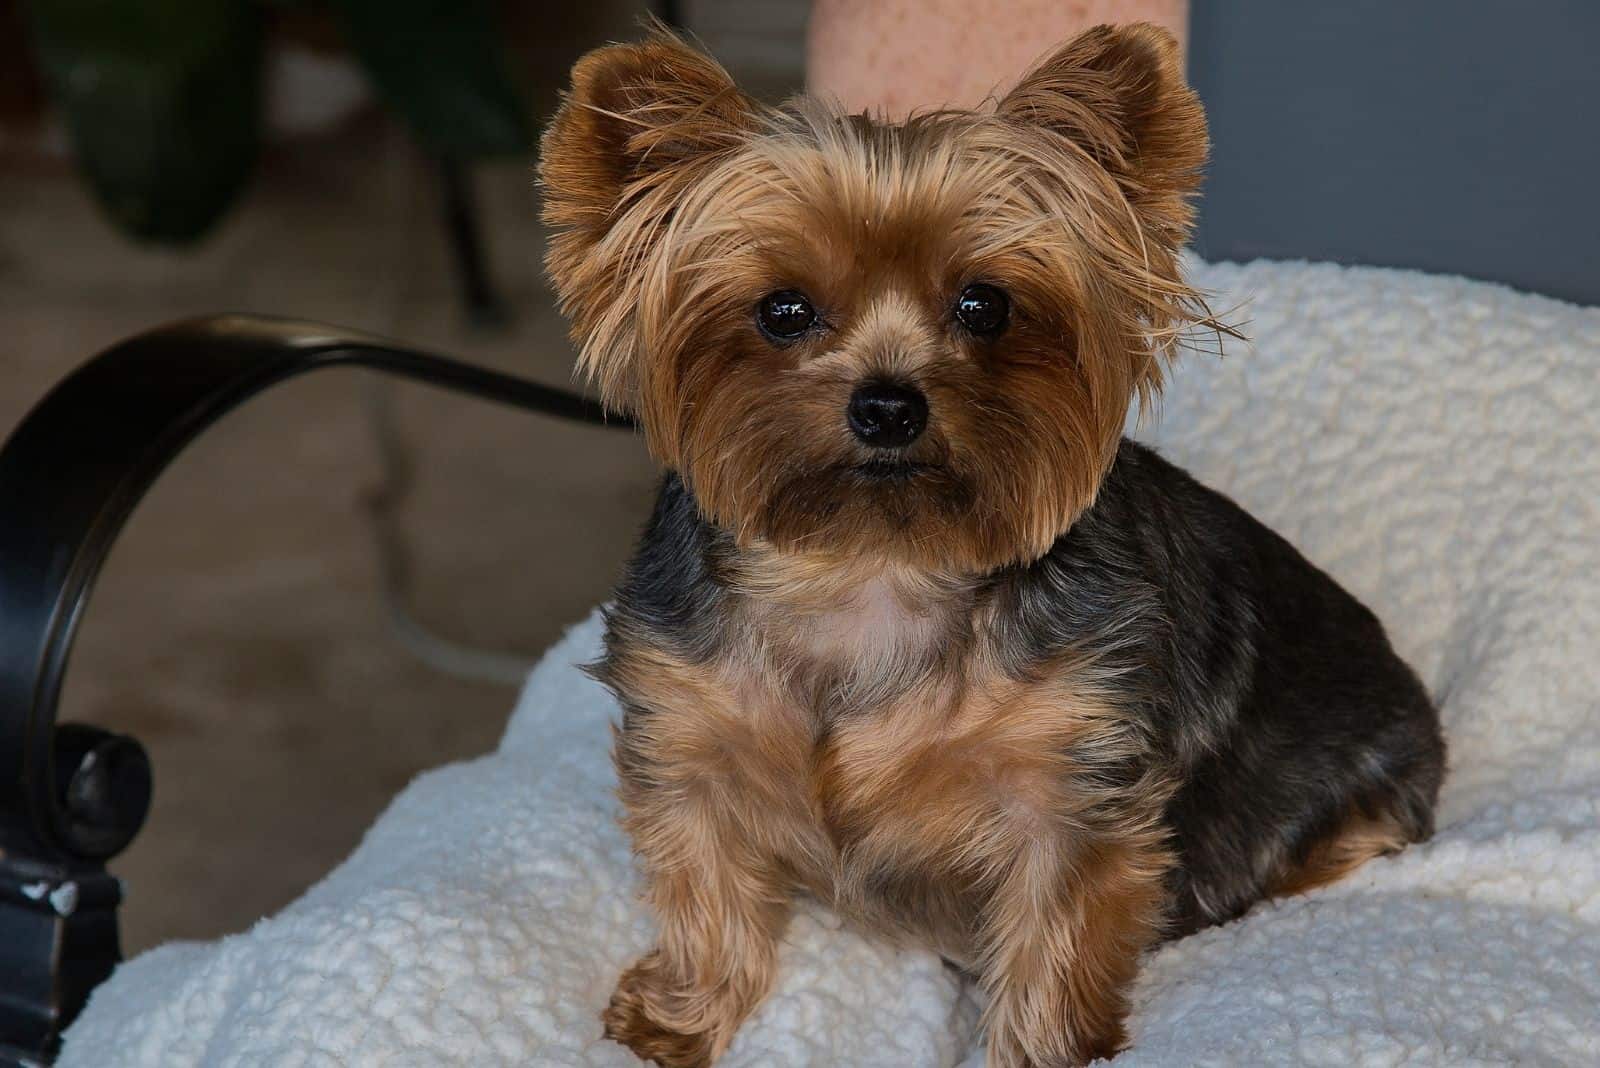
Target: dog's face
(916,342)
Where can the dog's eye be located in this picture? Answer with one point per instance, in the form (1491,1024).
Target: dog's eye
(785,314)
(983,309)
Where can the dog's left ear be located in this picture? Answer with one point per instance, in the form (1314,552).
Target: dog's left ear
(1118,92)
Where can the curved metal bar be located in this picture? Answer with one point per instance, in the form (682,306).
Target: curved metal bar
(70,475)
(74,470)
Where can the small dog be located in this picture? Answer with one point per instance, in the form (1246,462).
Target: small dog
(913,628)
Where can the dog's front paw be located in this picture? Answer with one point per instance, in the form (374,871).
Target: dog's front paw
(1009,1048)
(639,1015)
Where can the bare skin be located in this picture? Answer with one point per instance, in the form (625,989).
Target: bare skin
(892,57)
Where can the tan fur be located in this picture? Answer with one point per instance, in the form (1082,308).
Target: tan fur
(708,800)
(1066,943)
(679,202)
(952,813)
(970,788)
(1358,839)
(856,736)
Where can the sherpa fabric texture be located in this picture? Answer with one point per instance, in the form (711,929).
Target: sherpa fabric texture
(1433,442)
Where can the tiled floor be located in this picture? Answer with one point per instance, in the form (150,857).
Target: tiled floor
(238,630)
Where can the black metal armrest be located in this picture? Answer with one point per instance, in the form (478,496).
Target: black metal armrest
(72,796)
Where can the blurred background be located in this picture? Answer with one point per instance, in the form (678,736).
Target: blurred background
(370,163)
(239,630)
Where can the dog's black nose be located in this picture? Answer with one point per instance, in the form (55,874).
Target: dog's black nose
(887,415)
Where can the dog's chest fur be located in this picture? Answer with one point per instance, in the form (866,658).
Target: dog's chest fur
(864,712)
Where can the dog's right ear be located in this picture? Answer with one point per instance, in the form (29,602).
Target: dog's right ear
(635,128)
(636,114)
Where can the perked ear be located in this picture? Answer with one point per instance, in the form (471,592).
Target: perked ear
(1118,92)
(628,138)
(635,113)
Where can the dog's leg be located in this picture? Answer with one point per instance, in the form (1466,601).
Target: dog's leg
(1063,935)
(705,797)
(1358,839)
(720,920)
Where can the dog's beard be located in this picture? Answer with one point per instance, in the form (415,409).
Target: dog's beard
(897,509)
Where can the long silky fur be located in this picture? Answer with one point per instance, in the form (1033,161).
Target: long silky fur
(1033,697)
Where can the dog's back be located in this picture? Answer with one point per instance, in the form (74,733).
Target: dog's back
(1304,744)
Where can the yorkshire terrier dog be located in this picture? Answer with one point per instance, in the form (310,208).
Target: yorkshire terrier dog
(913,628)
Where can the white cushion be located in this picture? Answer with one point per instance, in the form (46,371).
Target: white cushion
(1432,442)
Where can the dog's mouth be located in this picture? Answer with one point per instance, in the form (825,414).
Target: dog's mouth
(868,504)
(906,489)
(890,469)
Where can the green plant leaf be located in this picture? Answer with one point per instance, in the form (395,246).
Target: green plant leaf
(162,99)
(440,64)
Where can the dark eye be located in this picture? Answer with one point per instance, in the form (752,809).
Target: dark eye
(785,314)
(983,309)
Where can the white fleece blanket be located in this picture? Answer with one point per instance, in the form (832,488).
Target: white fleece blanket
(1433,442)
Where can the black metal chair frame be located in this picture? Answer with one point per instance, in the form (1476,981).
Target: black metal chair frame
(72,796)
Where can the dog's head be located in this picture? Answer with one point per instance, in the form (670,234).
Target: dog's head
(918,341)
